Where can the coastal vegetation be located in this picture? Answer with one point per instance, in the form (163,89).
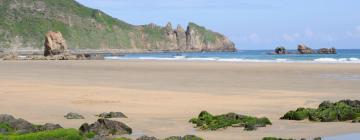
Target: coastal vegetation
(59,134)
(24,23)
(207,121)
(345,110)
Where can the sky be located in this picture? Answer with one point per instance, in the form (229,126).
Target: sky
(251,24)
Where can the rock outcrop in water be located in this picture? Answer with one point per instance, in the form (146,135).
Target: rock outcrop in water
(303,49)
(280,50)
(327,51)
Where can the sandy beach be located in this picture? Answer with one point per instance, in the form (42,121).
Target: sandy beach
(159,97)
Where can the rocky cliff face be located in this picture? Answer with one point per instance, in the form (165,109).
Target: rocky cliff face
(24,22)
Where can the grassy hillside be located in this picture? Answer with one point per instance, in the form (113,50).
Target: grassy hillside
(23,24)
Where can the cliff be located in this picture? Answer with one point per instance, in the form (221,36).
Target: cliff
(23,24)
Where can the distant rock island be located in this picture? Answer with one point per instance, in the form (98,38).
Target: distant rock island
(303,49)
(23,24)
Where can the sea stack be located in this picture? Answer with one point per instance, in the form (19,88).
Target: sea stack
(327,51)
(303,49)
(54,44)
(280,50)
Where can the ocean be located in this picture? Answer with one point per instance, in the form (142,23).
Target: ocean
(342,56)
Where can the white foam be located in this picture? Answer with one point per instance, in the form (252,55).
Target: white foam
(280,60)
(340,60)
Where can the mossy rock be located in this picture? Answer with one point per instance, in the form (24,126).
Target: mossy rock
(344,110)
(207,121)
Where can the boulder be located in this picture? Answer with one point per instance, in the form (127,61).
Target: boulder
(72,115)
(22,126)
(54,44)
(18,125)
(327,51)
(112,115)
(303,49)
(105,127)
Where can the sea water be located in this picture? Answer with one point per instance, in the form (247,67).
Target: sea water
(342,56)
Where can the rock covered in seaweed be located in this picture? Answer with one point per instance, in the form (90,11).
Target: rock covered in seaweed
(327,111)
(207,121)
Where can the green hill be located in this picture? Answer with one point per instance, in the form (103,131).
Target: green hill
(23,24)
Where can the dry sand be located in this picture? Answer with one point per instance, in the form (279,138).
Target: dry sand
(159,97)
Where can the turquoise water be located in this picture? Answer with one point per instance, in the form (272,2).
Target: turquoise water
(343,56)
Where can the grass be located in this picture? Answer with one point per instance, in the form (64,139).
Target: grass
(207,121)
(344,110)
(59,134)
(207,36)
(6,127)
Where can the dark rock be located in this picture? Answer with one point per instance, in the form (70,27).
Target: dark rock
(105,127)
(49,126)
(112,115)
(327,51)
(22,126)
(54,44)
(19,125)
(303,49)
(280,50)
(147,138)
(72,115)
(83,56)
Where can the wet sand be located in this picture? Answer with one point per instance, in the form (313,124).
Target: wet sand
(159,97)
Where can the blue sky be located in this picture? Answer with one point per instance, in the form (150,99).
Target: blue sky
(251,24)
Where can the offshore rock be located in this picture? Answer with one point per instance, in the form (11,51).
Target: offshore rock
(303,49)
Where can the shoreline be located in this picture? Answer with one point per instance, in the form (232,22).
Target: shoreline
(159,97)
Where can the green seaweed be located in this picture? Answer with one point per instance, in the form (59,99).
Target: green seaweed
(327,112)
(207,121)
